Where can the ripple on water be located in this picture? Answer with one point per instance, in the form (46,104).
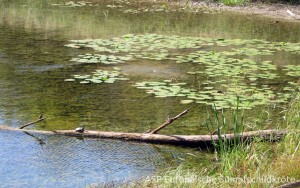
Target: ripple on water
(58,161)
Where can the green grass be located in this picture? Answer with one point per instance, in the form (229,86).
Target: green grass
(216,121)
(236,164)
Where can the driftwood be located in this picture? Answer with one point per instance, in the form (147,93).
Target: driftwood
(186,140)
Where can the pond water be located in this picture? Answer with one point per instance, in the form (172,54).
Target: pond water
(150,59)
(53,161)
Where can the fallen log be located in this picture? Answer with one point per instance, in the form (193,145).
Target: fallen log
(291,185)
(184,140)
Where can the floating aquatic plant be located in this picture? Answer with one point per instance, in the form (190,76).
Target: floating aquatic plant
(161,46)
(164,89)
(99,58)
(230,72)
(124,6)
(99,76)
(74,4)
(292,70)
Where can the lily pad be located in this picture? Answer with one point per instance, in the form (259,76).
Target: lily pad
(186,101)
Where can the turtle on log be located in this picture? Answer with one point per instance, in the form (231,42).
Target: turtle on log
(79,129)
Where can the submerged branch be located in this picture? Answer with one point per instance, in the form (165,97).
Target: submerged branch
(36,138)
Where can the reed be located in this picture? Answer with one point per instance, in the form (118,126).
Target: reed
(217,124)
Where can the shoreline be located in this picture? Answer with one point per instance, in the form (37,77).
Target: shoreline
(276,11)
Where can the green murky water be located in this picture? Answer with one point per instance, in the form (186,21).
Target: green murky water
(162,46)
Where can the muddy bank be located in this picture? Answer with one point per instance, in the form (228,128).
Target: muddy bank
(277,11)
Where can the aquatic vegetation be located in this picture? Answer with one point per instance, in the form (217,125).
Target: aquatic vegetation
(229,73)
(99,76)
(114,6)
(164,89)
(249,96)
(125,7)
(162,45)
(292,70)
(187,101)
(98,58)
(74,4)
(253,51)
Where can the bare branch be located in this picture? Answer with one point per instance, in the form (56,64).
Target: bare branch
(41,118)
(168,122)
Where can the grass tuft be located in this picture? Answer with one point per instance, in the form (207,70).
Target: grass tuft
(217,122)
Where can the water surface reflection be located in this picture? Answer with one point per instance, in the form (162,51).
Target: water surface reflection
(58,161)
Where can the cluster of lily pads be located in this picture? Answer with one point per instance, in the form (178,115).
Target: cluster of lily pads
(220,65)
(101,58)
(232,77)
(146,9)
(164,9)
(158,7)
(249,96)
(114,6)
(164,89)
(74,4)
(99,76)
(292,70)
(126,7)
(155,44)
(228,73)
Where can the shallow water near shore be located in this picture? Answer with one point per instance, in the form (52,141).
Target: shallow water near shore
(35,64)
(53,161)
